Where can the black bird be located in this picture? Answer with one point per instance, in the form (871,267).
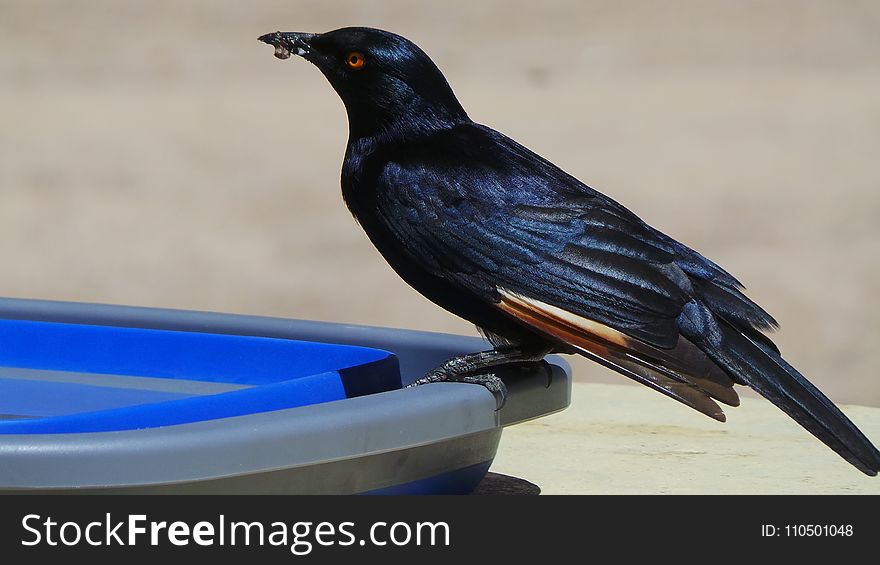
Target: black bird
(538,260)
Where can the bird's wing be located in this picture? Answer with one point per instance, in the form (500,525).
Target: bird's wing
(579,276)
(580,268)
(477,208)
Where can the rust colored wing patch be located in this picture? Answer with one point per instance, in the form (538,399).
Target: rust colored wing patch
(683,373)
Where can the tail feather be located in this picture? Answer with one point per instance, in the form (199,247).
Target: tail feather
(763,369)
(655,377)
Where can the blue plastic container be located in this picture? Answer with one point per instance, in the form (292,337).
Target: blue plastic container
(97,398)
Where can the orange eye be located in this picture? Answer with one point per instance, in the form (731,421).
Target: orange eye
(355,60)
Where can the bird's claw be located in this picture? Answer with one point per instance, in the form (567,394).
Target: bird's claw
(432,377)
(493,384)
(490,381)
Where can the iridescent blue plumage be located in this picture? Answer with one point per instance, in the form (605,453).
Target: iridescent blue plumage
(540,261)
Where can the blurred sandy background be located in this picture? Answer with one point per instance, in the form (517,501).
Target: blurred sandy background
(154,153)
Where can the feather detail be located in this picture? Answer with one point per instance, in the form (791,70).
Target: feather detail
(682,373)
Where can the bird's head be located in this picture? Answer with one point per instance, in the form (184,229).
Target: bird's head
(385,81)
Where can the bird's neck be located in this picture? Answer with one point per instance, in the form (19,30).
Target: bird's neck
(406,130)
(403,116)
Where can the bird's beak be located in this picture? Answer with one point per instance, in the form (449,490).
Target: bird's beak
(287,42)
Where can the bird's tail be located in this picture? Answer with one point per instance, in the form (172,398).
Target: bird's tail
(760,366)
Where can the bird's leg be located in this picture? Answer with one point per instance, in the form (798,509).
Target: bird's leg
(477,363)
(476,368)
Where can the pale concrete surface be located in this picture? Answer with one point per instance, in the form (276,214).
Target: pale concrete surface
(154,153)
(630,440)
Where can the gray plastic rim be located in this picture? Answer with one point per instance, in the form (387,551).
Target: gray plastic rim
(347,446)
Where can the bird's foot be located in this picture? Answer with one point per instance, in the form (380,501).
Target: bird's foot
(480,368)
(489,380)
(492,383)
